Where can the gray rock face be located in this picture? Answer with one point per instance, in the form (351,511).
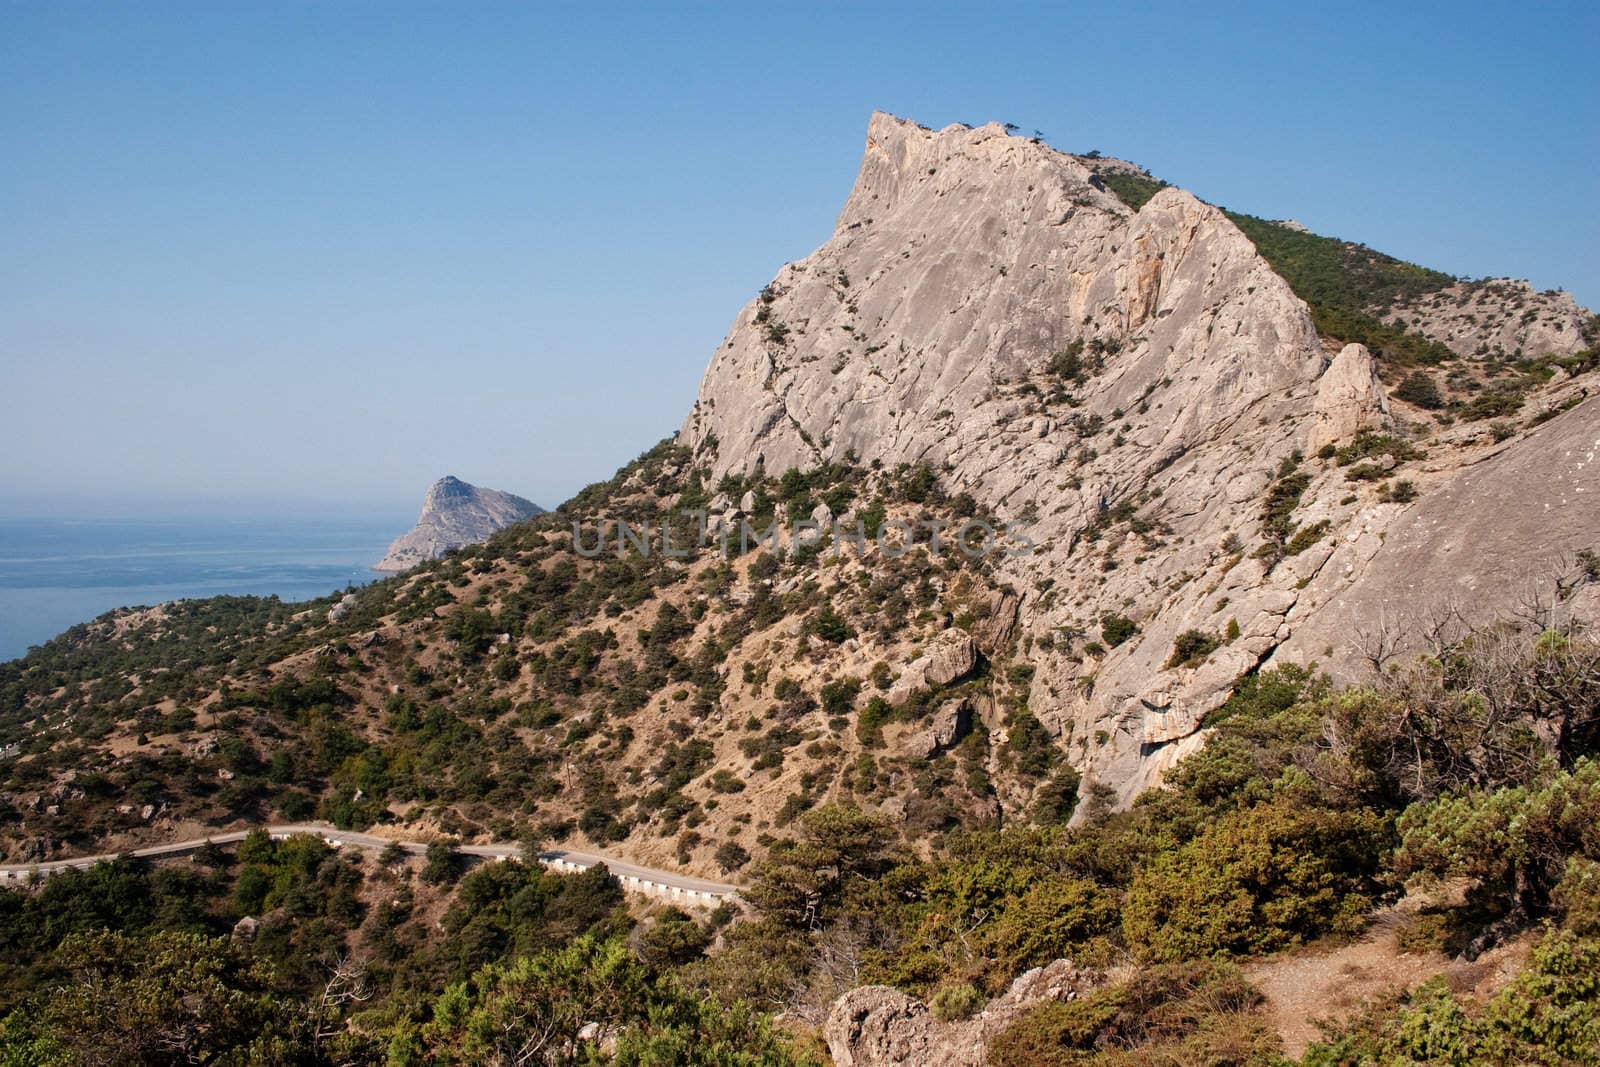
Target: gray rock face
(455,514)
(962,260)
(879,1026)
(1500,537)
(924,331)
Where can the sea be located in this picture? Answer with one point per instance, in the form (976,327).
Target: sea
(55,572)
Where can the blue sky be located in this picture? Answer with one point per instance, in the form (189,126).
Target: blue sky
(313,256)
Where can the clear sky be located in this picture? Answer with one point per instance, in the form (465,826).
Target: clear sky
(315,255)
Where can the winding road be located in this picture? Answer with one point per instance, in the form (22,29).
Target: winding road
(667,885)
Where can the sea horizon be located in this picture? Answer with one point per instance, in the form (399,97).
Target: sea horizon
(59,571)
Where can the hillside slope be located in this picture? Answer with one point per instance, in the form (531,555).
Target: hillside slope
(992,334)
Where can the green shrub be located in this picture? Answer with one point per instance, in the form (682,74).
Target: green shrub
(1513,845)
(1366,472)
(869,725)
(1192,1013)
(1550,1015)
(725,781)
(1068,364)
(1491,406)
(1367,445)
(1115,629)
(954,1002)
(1277,510)
(1420,389)
(1304,538)
(1055,918)
(1192,647)
(829,625)
(1132,189)
(1401,492)
(443,863)
(731,856)
(1260,879)
(839,696)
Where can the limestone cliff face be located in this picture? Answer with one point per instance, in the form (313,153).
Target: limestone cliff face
(962,260)
(455,514)
(924,331)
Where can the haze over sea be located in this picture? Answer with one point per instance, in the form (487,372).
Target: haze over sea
(57,572)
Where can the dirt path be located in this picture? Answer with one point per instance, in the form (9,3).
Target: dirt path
(1330,983)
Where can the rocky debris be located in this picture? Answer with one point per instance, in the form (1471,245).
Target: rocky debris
(455,514)
(1500,317)
(949,656)
(1350,399)
(878,1026)
(246,928)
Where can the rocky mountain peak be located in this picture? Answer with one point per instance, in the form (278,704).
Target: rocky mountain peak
(1136,386)
(455,513)
(449,488)
(963,261)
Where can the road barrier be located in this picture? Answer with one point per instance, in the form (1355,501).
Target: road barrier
(660,885)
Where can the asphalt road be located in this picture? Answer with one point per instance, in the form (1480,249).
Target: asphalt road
(652,878)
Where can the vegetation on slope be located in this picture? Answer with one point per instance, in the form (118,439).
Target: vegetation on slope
(1474,767)
(1346,285)
(522,690)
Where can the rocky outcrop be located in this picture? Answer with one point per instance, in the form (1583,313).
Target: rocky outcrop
(879,1026)
(951,721)
(951,655)
(1350,398)
(1125,386)
(455,514)
(1499,317)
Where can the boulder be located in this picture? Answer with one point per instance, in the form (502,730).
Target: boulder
(878,1026)
(1350,399)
